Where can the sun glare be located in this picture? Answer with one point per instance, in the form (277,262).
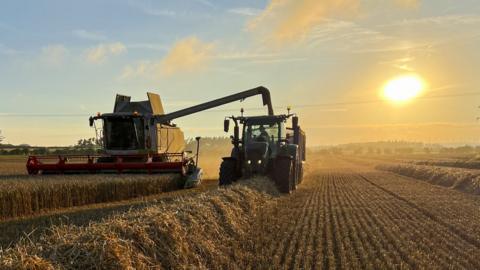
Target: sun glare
(403,88)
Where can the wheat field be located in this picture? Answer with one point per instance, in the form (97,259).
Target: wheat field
(345,215)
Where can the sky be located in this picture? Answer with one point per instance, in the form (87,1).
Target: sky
(62,61)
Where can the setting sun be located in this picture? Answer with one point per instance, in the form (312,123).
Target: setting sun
(403,88)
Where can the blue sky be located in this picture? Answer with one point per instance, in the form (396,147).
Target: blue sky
(61,61)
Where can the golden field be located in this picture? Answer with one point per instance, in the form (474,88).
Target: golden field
(346,214)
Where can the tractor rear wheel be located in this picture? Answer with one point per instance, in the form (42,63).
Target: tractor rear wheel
(227,172)
(284,174)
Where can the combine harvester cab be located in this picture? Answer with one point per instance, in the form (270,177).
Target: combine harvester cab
(133,142)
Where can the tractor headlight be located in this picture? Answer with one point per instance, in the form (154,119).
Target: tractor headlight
(249,162)
(259,161)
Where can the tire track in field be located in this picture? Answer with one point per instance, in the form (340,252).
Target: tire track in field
(428,214)
(332,231)
(320,247)
(340,218)
(353,258)
(279,226)
(440,242)
(375,205)
(412,234)
(390,243)
(377,258)
(305,260)
(293,242)
(357,256)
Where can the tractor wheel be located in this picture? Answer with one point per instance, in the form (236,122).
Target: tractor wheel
(284,174)
(227,172)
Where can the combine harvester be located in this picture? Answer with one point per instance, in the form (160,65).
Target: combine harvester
(138,137)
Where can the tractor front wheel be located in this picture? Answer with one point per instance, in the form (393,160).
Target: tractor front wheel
(227,172)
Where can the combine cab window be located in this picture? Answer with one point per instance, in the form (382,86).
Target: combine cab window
(124,133)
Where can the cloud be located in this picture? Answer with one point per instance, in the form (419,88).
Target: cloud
(54,55)
(160,12)
(188,54)
(402,63)
(284,21)
(289,20)
(7,50)
(84,34)
(140,69)
(245,11)
(150,9)
(206,3)
(408,3)
(457,19)
(101,52)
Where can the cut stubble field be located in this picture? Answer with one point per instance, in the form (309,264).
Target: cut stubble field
(344,215)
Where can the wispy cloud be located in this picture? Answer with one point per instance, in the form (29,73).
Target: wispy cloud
(89,35)
(206,3)
(102,51)
(54,55)
(187,55)
(160,12)
(5,50)
(456,19)
(401,63)
(245,11)
(145,69)
(408,3)
(149,9)
(347,36)
(290,20)
(148,46)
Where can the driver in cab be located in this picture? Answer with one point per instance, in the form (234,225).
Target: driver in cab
(263,136)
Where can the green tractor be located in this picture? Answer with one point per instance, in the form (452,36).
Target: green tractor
(266,147)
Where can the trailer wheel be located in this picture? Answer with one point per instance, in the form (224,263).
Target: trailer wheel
(284,177)
(227,172)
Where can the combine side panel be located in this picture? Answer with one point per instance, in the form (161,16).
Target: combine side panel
(170,139)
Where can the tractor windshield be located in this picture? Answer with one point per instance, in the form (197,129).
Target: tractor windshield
(262,133)
(124,133)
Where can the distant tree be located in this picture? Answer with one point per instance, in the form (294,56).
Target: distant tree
(358,151)
(40,151)
(83,146)
(1,137)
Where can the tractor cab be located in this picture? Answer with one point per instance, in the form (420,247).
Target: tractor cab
(262,135)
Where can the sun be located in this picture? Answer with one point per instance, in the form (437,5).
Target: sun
(403,88)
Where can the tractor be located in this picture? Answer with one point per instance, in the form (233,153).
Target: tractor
(266,147)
